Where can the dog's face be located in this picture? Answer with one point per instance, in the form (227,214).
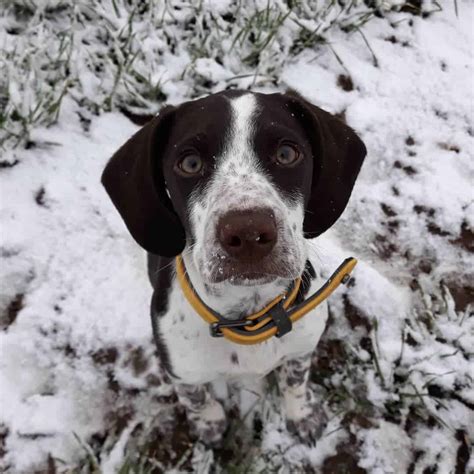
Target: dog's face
(237,180)
(240,165)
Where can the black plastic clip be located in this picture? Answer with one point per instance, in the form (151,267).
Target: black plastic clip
(281,319)
(215,328)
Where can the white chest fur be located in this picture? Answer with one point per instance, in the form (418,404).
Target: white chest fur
(196,357)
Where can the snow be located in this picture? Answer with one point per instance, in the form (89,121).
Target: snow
(77,363)
(388,449)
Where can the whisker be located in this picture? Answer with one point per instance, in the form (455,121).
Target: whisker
(163,267)
(186,252)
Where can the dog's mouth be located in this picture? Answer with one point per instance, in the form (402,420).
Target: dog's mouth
(248,274)
(250,279)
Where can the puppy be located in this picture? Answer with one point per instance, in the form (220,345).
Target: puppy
(235,183)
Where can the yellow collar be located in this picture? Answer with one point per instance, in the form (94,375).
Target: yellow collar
(275,319)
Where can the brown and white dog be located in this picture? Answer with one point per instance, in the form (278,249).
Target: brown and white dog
(236,183)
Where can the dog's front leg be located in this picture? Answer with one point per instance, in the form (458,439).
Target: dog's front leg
(205,414)
(304,418)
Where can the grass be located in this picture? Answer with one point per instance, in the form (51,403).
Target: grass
(108,54)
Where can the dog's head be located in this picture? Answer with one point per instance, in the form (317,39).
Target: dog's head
(237,179)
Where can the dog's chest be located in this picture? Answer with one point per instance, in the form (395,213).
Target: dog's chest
(196,357)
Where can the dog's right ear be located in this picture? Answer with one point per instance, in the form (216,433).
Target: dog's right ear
(133,178)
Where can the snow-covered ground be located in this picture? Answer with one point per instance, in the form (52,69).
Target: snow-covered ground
(81,387)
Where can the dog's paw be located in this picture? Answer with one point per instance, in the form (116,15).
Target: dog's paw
(209,424)
(308,428)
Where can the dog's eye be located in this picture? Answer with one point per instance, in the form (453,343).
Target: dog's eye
(190,165)
(287,155)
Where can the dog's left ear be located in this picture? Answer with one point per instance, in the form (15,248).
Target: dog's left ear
(338,154)
(134,180)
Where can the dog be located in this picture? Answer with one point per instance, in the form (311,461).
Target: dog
(236,183)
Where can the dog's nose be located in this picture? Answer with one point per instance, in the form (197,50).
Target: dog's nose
(248,235)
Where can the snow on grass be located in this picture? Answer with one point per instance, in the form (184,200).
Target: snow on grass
(81,387)
(134,55)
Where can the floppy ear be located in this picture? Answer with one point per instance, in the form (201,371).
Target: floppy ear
(338,154)
(134,180)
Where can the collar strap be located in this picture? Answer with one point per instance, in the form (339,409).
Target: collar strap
(275,319)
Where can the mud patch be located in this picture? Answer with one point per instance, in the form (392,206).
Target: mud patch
(13,308)
(345,82)
(409,170)
(40,197)
(429,211)
(119,419)
(462,456)
(106,355)
(3,440)
(434,229)
(345,461)
(463,296)
(387,210)
(137,361)
(329,357)
(384,247)
(465,239)
(354,315)
(169,448)
(8,164)
(449,147)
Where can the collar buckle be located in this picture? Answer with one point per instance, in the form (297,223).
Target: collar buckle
(281,319)
(215,328)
